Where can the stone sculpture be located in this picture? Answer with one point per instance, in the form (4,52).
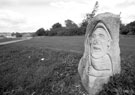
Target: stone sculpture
(101,58)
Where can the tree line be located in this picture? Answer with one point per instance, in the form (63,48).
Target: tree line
(128,29)
(72,29)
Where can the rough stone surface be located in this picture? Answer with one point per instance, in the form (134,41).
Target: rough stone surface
(101,58)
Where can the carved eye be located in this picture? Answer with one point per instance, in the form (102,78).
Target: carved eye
(101,35)
(93,35)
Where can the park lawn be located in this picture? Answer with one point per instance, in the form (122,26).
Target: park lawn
(74,43)
(8,39)
(35,67)
(67,43)
(27,71)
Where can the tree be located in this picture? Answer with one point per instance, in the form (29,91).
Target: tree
(70,24)
(83,26)
(89,16)
(18,34)
(123,29)
(128,29)
(56,25)
(13,34)
(131,27)
(84,23)
(40,32)
(87,20)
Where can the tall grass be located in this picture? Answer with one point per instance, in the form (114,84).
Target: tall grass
(27,70)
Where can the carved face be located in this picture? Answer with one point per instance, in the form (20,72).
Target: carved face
(100,42)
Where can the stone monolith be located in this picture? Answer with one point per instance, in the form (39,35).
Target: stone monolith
(101,57)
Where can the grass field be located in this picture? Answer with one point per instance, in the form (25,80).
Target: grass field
(70,43)
(74,43)
(32,68)
(8,39)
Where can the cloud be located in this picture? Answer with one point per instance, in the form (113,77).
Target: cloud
(126,3)
(5,3)
(74,10)
(44,13)
(127,10)
(12,22)
(126,7)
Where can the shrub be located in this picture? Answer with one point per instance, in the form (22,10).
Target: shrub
(40,32)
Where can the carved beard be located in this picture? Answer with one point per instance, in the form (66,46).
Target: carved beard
(101,64)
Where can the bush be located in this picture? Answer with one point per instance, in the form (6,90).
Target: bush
(66,31)
(40,32)
(128,29)
(56,25)
(18,34)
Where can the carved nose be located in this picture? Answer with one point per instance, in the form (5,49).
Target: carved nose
(96,41)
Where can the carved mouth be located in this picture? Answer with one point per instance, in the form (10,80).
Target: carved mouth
(96,48)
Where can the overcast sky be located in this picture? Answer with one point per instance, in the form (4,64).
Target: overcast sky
(30,15)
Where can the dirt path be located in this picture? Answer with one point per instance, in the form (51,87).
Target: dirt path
(9,42)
